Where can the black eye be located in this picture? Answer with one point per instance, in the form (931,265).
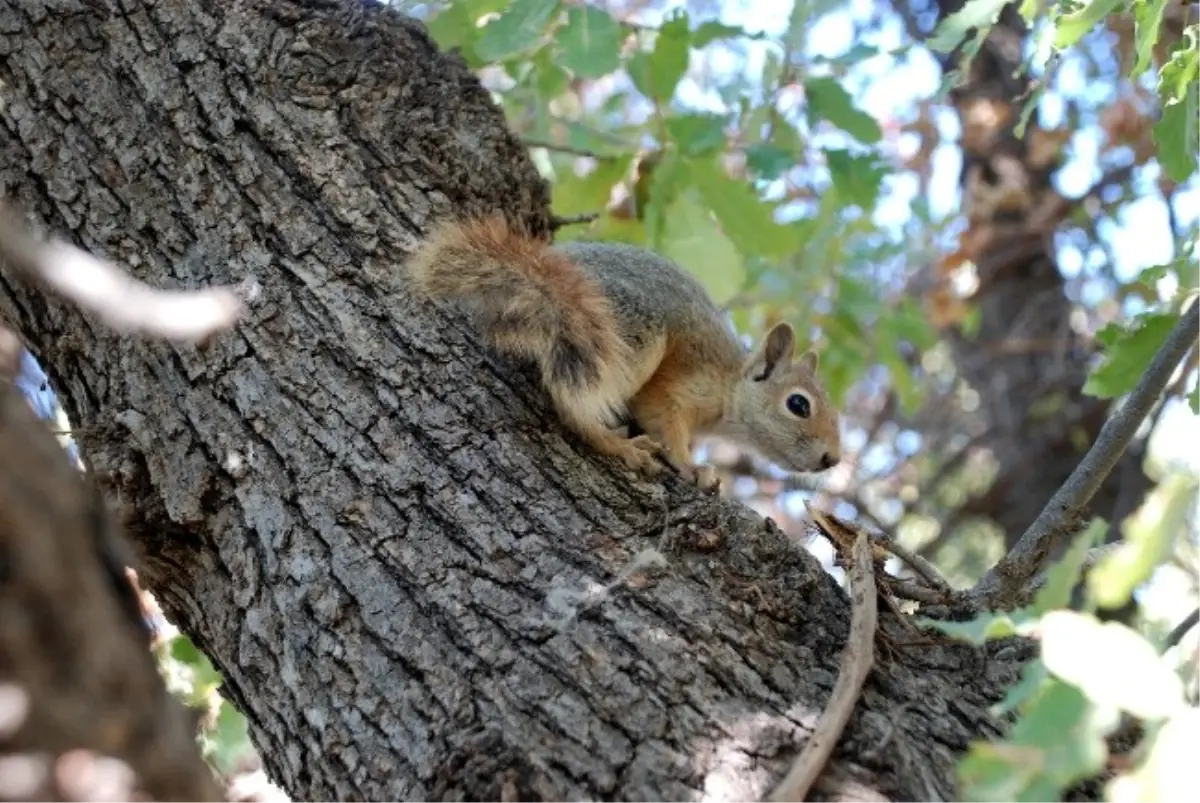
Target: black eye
(797,404)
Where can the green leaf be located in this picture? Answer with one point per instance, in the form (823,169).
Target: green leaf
(698,134)
(1182,70)
(1127,353)
(984,627)
(828,100)
(690,238)
(978,14)
(1063,576)
(1058,743)
(711,31)
(657,73)
(575,195)
(1071,27)
(454,26)
(769,161)
(1147,16)
(1194,400)
(856,178)
(1112,664)
(1149,539)
(745,219)
(516,30)
(590,42)
(1033,678)
(229,741)
(1177,135)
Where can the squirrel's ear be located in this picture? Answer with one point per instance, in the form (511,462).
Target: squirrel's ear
(775,352)
(809,360)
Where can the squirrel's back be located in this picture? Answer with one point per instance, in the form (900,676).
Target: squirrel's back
(651,296)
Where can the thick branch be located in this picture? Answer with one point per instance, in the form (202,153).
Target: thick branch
(1000,586)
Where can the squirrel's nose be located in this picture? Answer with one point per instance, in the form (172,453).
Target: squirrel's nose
(828,461)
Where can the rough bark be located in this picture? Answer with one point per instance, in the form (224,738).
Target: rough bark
(1025,354)
(416,584)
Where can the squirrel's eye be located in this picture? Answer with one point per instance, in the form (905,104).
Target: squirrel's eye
(797,404)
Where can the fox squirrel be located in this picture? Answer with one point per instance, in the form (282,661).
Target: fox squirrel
(618,330)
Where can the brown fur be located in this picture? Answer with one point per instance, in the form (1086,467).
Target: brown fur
(578,316)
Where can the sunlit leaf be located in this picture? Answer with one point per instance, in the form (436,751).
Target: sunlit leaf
(1064,574)
(857,178)
(953,29)
(1127,353)
(745,219)
(1110,663)
(697,134)
(712,31)
(1071,27)
(1177,135)
(575,195)
(517,29)
(1033,677)
(590,42)
(769,161)
(228,742)
(984,627)
(690,238)
(657,73)
(1149,538)
(828,100)
(1036,762)
(1147,16)
(454,26)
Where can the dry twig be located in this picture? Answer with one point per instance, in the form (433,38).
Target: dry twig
(118,299)
(857,659)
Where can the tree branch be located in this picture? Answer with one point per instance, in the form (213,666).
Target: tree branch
(1004,582)
(857,660)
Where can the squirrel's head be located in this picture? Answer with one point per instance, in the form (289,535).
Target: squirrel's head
(780,408)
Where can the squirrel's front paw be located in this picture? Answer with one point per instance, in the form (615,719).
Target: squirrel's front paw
(641,454)
(703,476)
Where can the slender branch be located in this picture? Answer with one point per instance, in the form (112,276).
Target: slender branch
(557,222)
(1181,629)
(918,564)
(554,146)
(118,299)
(1005,580)
(857,660)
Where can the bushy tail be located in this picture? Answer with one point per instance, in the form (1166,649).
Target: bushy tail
(532,302)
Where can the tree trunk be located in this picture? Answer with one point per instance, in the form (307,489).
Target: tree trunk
(416,583)
(1025,361)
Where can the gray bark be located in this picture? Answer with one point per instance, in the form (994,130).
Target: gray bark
(375,529)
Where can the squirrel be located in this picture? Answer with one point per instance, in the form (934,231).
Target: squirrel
(620,332)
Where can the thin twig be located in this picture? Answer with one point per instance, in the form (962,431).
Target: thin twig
(557,222)
(915,562)
(857,659)
(1181,629)
(118,299)
(571,149)
(1005,580)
